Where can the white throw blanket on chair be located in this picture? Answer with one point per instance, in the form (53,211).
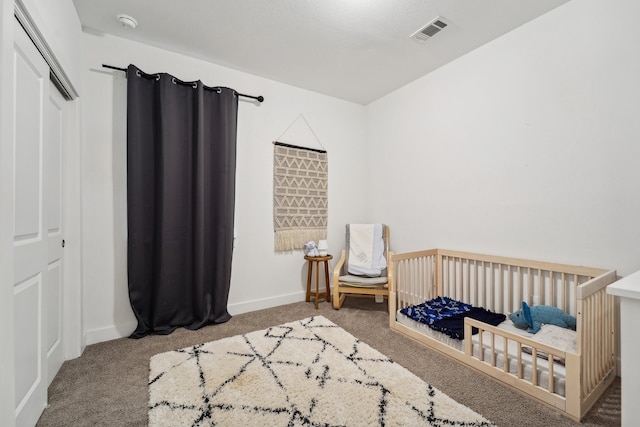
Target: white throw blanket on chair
(366,250)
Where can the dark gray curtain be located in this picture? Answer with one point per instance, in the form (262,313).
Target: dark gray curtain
(181,148)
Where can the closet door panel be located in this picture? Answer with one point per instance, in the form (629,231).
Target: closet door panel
(31,94)
(53,196)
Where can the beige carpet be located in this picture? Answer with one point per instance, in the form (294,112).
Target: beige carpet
(108,385)
(305,373)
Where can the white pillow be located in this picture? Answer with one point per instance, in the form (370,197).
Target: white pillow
(555,336)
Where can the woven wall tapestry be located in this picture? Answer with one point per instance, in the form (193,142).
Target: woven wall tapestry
(300,201)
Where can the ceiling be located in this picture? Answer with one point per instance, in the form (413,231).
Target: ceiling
(357,50)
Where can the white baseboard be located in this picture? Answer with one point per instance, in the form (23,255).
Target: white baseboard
(248,306)
(109,333)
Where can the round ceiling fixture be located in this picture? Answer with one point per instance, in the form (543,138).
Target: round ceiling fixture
(127,21)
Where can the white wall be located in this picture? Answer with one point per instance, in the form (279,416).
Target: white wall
(525,147)
(528,146)
(260,277)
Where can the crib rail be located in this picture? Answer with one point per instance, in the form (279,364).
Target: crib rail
(539,366)
(500,284)
(416,274)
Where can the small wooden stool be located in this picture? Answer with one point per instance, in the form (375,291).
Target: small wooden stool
(316,260)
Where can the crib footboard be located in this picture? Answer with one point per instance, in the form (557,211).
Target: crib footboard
(542,372)
(500,284)
(596,313)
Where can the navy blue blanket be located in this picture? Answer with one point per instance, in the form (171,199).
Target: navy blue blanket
(435,309)
(454,325)
(446,315)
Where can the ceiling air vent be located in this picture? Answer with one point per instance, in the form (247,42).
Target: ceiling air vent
(430,30)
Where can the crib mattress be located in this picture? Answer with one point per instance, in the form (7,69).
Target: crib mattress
(542,364)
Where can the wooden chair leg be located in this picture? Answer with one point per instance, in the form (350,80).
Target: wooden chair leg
(326,276)
(341,299)
(308,298)
(317,283)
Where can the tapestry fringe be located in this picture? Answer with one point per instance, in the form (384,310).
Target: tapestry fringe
(292,239)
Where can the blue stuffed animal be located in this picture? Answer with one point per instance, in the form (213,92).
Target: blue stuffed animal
(532,318)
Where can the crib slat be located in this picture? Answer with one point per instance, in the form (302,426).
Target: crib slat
(468,341)
(411,280)
(402,291)
(563,294)
(491,287)
(415,281)
(519,351)
(417,284)
(493,349)
(451,272)
(575,281)
(591,342)
(417,271)
(445,275)
(420,273)
(530,285)
(551,288)
(517,302)
(467,288)
(551,363)
(403,279)
(477,281)
(592,338)
(510,291)
(505,359)
(601,337)
(534,366)
(482,299)
(424,276)
(540,287)
(459,281)
(499,306)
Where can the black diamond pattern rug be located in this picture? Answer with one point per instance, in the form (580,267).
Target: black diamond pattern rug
(305,373)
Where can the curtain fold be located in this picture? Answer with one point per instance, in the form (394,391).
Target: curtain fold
(181,162)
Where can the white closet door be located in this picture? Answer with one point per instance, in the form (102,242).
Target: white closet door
(31,270)
(55,119)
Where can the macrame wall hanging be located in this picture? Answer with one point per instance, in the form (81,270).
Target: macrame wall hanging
(300,187)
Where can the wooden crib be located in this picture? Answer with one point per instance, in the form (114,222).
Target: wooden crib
(500,284)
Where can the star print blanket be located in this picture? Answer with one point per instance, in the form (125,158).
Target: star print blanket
(447,315)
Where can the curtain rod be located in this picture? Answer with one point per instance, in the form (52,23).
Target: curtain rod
(257,98)
(282,144)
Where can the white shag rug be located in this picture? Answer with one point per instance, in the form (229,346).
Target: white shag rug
(305,373)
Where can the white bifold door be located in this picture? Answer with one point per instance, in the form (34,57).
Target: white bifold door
(38,235)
